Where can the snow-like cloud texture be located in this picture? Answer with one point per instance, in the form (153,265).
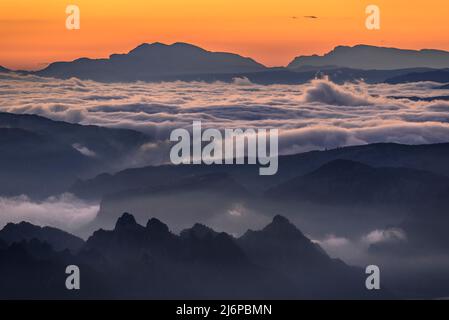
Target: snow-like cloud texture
(316,115)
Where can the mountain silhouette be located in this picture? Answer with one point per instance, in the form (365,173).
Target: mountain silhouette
(151,62)
(150,262)
(428,157)
(24,231)
(282,246)
(186,62)
(36,149)
(220,190)
(384,179)
(372,57)
(3,69)
(350,182)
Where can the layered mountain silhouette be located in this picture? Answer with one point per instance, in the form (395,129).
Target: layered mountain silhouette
(187,62)
(3,69)
(430,157)
(149,262)
(198,197)
(372,57)
(35,149)
(151,62)
(375,181)
(24,231)
(350,182)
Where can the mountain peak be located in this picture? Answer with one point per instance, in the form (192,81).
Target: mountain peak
(25,231)
(154,62)
(369,57)
(126,220)
(149,47)
(198,231)
(281,226)
(156,226)
(278,219)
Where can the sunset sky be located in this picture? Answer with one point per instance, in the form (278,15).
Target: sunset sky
(33,33)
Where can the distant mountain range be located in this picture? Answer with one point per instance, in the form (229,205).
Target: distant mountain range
(152,62)
(186,62)
(371,57)
(391,178)
(430,157)
(34,148)
(150,262)
(350,182)
(41,157)
(24,231)
(2,69)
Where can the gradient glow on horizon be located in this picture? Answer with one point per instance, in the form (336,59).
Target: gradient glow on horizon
(33,33)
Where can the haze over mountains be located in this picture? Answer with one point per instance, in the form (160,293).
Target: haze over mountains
(371,186)
(34,148)
(182,61)
(42,158)
(150,262)
(383,203)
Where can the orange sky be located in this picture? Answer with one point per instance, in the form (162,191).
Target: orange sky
(33,33)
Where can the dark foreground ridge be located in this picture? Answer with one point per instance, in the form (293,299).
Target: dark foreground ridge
(150,262)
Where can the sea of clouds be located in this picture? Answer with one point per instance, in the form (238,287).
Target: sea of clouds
(315,115)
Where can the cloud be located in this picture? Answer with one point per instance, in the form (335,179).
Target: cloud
(356,249)
(333,241)
(391,235)
(65,211)
(84,150)
(326,92)
(312,116)
(243,81)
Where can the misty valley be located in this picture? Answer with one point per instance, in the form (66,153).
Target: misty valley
(119,180)
(355,203)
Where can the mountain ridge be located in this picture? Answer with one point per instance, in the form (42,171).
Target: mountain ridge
(25,231)
(150,61)
(148,262)
(373,57)
(179,61)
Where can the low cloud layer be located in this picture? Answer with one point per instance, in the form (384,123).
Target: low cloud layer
(316,115)
(64,211)
(356,249)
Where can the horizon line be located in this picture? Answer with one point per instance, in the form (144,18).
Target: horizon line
(203,48)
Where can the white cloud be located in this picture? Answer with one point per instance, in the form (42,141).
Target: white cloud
(243,81)
(84,150)
(65,211)
(333,241)
(385,236)
(315,115)
(326,92)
